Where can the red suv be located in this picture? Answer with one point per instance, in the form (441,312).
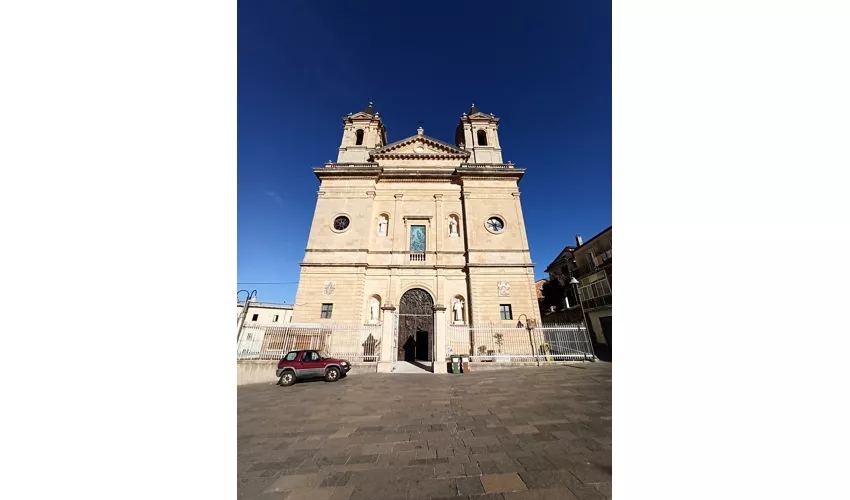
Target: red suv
(310,364)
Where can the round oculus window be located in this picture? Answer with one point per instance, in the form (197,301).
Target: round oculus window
(495,224)
(341,223)
(419,149)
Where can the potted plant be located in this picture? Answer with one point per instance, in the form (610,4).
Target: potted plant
(499,339)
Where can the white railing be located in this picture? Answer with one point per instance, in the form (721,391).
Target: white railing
(360,343)
(417,256)
(551,342)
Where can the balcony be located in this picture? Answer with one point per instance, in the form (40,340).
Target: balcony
(418,257)
(595,295)
(589,269)
(596,302)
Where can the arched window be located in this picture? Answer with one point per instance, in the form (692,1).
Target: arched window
(482,138)
(359,137)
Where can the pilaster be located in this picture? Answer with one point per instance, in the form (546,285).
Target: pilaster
(438,239)
(439,339)
(385,365)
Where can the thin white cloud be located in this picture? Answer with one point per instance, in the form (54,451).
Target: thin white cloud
(276,197)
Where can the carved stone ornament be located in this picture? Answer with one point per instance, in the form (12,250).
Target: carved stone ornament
(504,288)
(330,287)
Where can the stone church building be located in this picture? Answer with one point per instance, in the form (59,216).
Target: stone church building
(419,228)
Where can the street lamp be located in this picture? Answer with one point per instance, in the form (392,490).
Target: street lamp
(529,325)
(574,283)
(252,297)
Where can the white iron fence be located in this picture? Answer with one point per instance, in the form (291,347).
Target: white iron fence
(551,342)
(361,343)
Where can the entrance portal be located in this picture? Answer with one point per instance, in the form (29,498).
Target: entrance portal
(415,326)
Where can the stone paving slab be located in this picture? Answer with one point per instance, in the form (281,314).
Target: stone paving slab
(494,435)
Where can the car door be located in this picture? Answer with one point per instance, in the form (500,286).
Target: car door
(311,364)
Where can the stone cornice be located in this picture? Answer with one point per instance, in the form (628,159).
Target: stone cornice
(336,250)
(347,264)
(408,266)
(422,174)
(499,250)
(405,252)
(501,265)
(395,252)
(491,172)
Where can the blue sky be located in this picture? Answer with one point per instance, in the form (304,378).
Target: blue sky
(303,65)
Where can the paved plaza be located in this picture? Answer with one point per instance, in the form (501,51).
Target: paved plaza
(524,433)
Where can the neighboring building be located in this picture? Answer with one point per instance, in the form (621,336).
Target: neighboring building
(564,266)
(593,261)
(560,271)
(590,263)
(260,316)
(265,313)
(432,228)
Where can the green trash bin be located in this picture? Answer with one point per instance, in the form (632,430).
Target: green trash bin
(455,364)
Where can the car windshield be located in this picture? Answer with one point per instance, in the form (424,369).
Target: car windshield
(322,354)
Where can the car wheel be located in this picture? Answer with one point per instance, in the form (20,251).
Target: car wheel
(332,375)
(287,379)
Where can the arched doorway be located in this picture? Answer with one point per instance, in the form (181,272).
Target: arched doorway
(415,326)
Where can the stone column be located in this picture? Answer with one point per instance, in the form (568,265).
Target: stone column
(440,339)
(388,351)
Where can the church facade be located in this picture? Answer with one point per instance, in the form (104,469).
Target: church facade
(417,234)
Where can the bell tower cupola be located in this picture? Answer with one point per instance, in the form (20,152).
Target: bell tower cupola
(361,132)
(479,133)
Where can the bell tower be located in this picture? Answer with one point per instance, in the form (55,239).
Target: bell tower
(479,133)
(361,132)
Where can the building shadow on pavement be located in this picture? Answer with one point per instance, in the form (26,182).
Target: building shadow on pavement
(602,351)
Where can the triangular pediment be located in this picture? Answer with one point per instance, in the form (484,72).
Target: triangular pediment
(479,116)
(361,115)
(420,146)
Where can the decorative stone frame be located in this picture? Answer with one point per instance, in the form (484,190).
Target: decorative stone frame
(419,220)
(331,223)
